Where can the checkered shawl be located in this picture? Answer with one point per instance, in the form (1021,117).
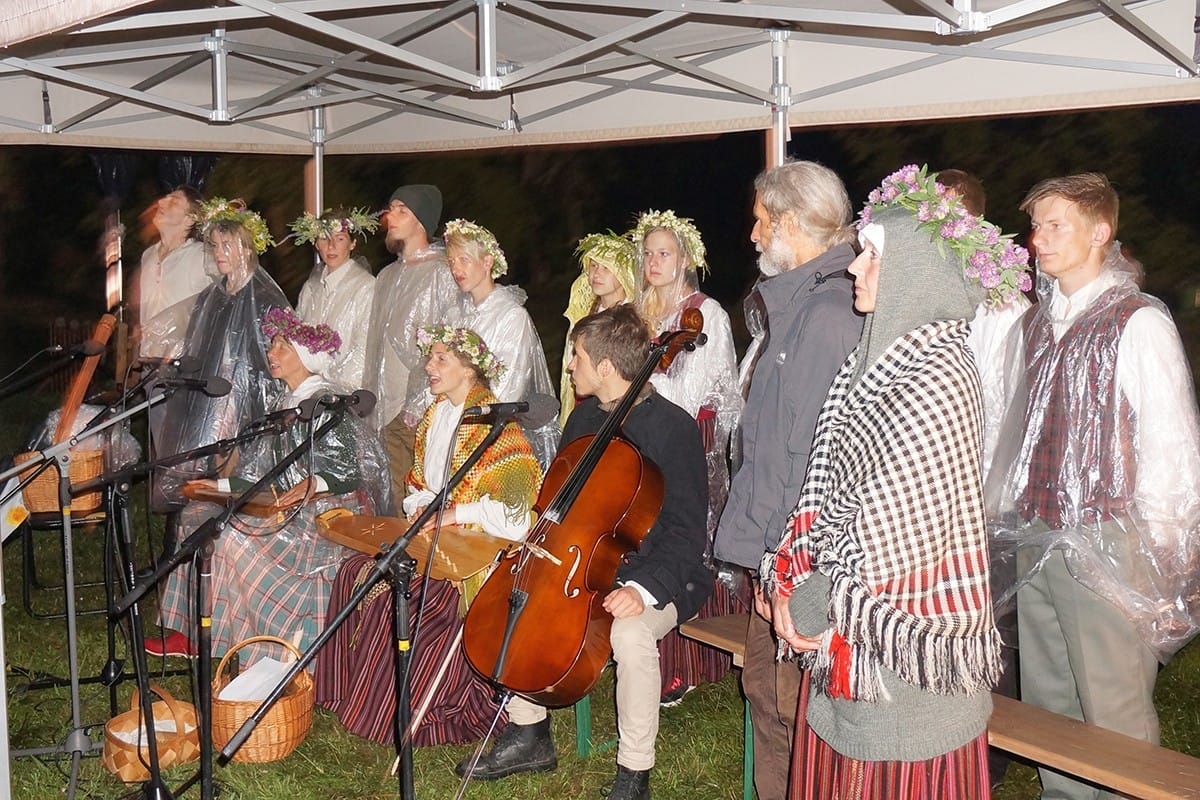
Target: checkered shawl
(892,512)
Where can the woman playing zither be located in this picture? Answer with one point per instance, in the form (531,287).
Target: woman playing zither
(355,670)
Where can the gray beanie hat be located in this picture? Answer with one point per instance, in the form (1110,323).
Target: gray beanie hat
(425,201)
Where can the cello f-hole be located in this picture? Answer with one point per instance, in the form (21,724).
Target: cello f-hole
(567,590)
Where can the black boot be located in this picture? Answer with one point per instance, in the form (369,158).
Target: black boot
(630,784)
(520,748)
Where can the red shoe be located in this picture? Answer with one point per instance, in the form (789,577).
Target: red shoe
(674,693)
(173,644)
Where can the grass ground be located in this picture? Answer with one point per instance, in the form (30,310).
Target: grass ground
(700,742)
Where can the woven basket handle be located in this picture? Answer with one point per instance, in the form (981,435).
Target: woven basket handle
(172,706)
(253,640)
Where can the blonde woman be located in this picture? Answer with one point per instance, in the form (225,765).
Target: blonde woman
(704,383)
(608,278)
(355,671)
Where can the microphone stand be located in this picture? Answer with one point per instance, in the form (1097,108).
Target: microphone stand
(200,543)
(393,561)
(78,742)
(22,383)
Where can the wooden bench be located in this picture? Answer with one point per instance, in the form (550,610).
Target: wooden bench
(1104,757)
(1113,760)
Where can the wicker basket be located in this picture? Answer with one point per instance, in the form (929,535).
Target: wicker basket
(41,495)
(122,757)
(280,731)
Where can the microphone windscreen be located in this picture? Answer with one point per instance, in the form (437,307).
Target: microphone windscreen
(364,403)
(543,408)
(216,386)
(187,365)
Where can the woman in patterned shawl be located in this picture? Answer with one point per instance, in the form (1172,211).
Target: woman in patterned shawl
(355,671)
(881,581)
(271,575)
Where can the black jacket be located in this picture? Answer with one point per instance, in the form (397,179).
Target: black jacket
(670,562)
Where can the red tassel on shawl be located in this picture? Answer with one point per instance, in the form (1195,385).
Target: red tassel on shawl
(801,558)
(839,667)
(791,561)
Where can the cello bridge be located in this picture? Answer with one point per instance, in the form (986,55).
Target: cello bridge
(542,552)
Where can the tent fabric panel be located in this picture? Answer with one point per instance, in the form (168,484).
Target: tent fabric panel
(116,84)
(29,19)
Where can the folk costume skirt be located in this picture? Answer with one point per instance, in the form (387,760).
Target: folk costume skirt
(821,773)
(356,668)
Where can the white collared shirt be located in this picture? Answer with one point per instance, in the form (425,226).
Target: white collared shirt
(342,299)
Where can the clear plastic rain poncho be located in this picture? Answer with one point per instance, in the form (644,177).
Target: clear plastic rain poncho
(119,445)
(1119,493)
(505,326)
(707,379)
(225,335)
(411,293)
(342,300)
(273,575)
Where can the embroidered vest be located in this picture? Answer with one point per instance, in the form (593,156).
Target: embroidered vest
(1082,466)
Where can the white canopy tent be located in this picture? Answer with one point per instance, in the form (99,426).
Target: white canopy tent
(397,76)
(362,76)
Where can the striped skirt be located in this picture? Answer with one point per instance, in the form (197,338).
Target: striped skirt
(821,773)
(356,668)
(687,661)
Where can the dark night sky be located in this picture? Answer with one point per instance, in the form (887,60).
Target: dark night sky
(539,203)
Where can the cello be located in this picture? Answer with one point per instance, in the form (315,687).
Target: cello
(538,627)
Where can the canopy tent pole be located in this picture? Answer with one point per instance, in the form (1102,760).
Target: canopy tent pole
(215,44)
(780,133)
(314,173)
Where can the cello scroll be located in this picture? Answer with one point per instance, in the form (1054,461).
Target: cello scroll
(689,336)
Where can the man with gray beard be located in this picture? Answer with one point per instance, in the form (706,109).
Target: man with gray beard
(807,327)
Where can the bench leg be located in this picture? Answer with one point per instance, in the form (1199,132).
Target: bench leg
(583,727)
(747,756)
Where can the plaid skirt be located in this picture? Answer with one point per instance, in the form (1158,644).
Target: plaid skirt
(821,773)
(266,580)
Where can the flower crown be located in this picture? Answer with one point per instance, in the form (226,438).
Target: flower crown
(218,209)
(309,227)
(464,341)
(468,229)
(988,257)
(682,227)
(313,338)
(612,250)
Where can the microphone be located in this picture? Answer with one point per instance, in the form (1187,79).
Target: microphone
(188,365)
(535,412)
(502,410)
(281,419)
(361,402)
(212,386)
(90,347)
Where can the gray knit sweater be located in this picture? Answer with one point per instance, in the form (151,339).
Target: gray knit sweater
(910,725)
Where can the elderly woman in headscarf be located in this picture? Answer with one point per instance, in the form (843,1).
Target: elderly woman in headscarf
(880,583)
(608,277)
(271,575)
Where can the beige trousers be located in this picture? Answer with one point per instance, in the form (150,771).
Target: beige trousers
(639,685)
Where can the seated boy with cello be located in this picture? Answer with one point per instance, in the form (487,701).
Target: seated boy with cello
(660,585)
